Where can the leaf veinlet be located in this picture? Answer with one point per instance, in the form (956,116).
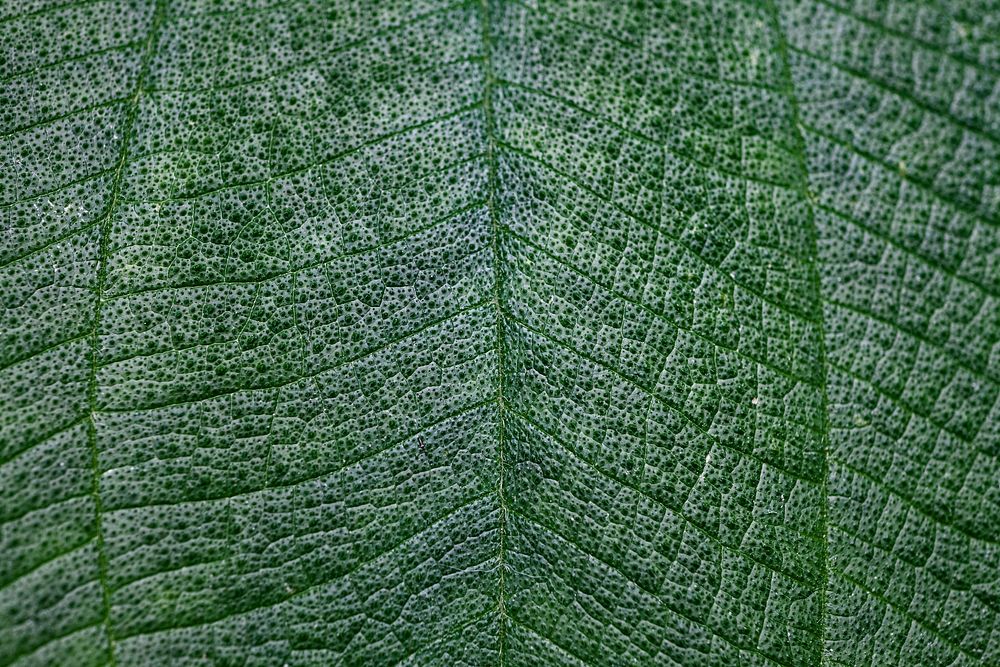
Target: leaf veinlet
(149,51)
(491,148)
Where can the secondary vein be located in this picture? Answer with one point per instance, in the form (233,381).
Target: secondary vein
(149,50)
(800,155)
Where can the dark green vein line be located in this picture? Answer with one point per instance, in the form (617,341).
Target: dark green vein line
(491,153)
(606,199)
(242,11)
(638,135)
(54,432)
(905,613)
(448,217)
(898,400)
(33,650)
(386,31)
(16,576)
(78,111)
(57,189)
(542,10)
(464,506)
(951,271)
(966,206)
(698,527)
(45,10)
(549,640)
(660,600)
(325,162)
(23,74)
(937,111)
(800,155)
(312,477)
(943,522)
(652,393)
(961,60)
(156,22)
(660,315)
(456,630)
(367,352)
(948,349)
(20,359)
(358,461)
(299,67)
(21,512)
(37,250)
(952,582)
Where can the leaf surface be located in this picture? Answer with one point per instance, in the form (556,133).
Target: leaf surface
(514,333)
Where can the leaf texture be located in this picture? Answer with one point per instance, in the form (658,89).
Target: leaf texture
(500,333)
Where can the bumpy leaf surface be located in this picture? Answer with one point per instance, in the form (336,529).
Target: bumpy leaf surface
(509,332)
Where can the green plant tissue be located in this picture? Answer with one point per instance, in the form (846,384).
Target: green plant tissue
(596,333)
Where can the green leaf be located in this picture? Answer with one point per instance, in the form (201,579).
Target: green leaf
(500,333)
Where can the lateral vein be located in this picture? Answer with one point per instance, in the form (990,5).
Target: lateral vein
(149,50)
(800,155)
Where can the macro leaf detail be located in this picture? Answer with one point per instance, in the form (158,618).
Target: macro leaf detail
(499,332)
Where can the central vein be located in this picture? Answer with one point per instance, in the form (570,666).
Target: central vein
(497,229)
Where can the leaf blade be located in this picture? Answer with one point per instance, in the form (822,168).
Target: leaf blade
(515,333)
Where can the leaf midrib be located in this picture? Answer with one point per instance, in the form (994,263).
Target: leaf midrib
(498,229)
(497,292)
(800,184)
